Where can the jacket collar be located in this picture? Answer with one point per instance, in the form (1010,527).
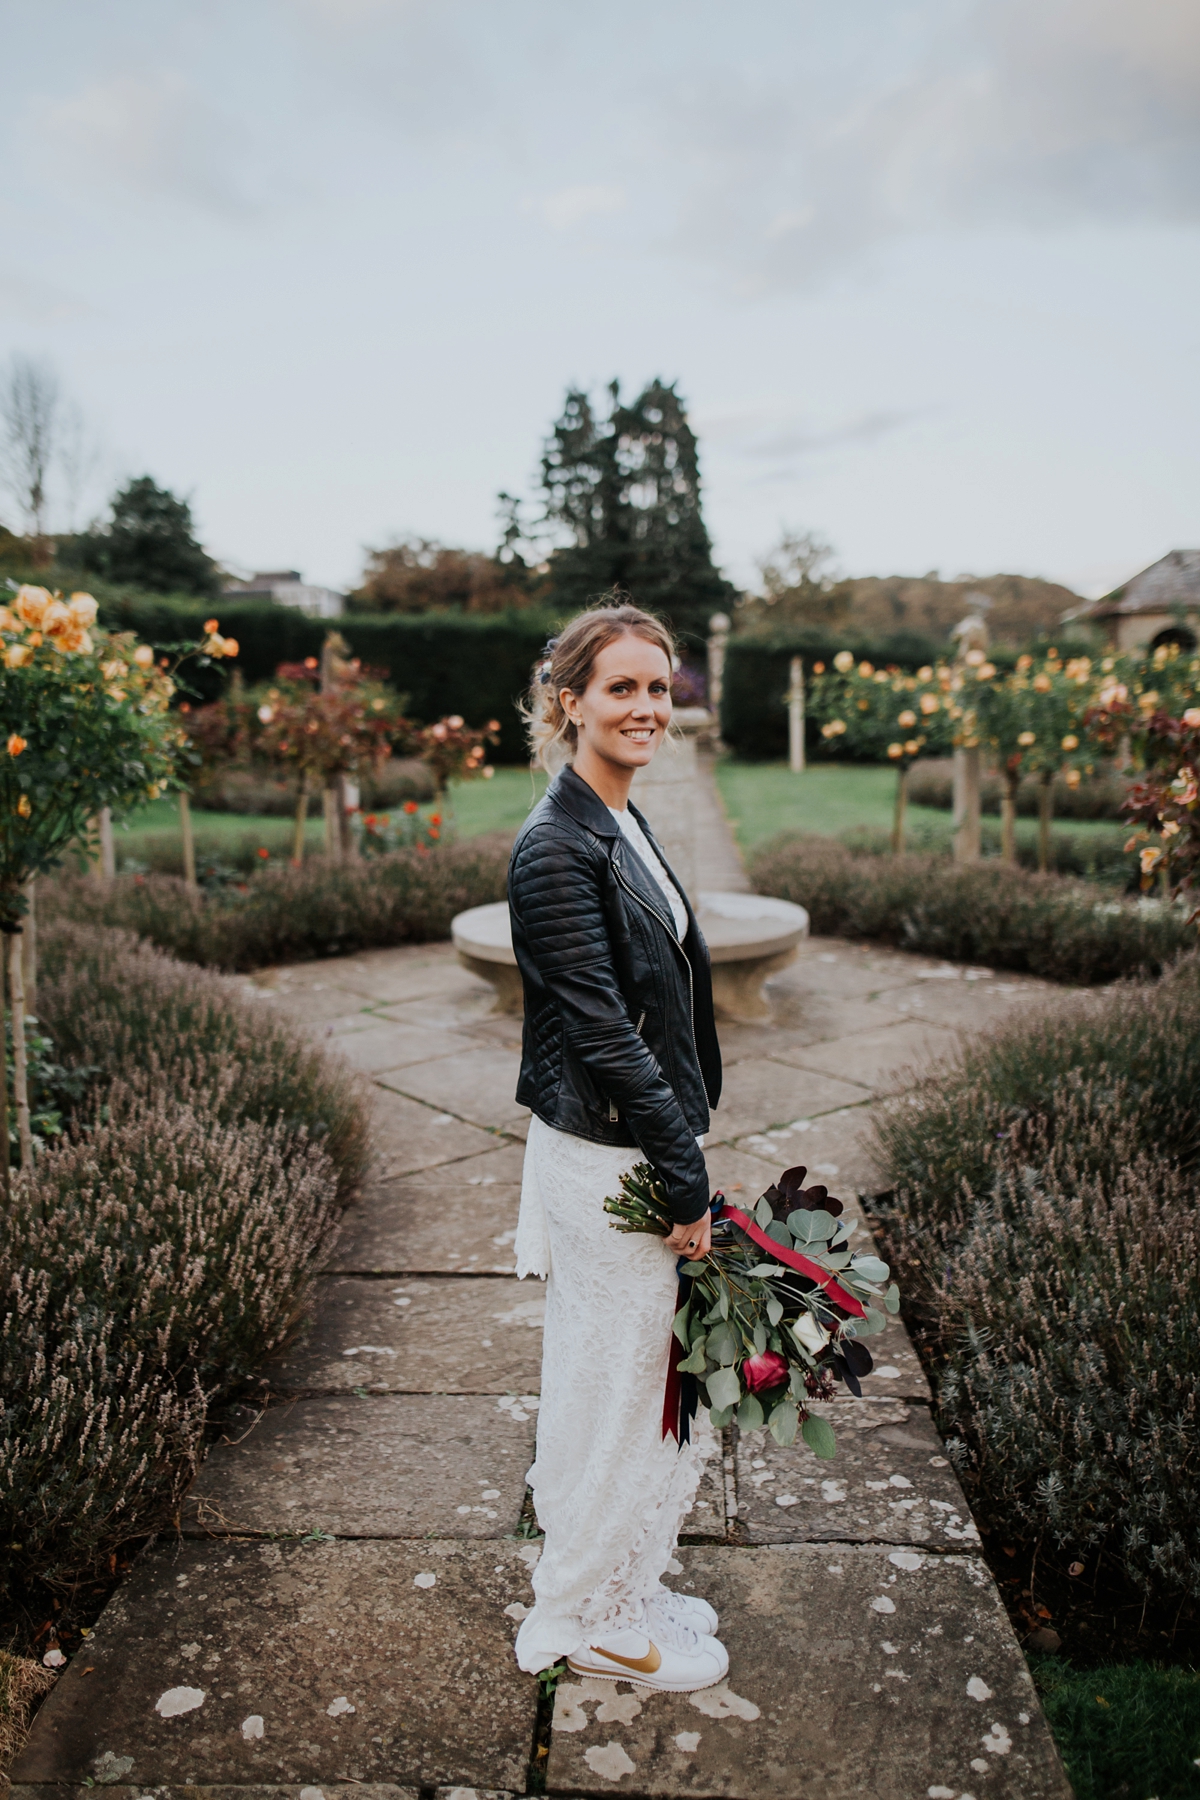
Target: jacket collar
(583,803)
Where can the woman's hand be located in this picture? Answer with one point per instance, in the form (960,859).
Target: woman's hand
(692,1241)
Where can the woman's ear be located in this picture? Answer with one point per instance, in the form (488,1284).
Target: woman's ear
(570,704)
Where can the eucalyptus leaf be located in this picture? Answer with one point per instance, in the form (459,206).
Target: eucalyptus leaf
(800,1225)
(784,1420)
(724,1388)
(822,1226)
(723,1302)
(818,1435)
(750,1413)
(696,1363)
(796,1383)
(871,1268)
(723,1344)
(764,1271)
(873,1324)
(693,1269)
(774,1310)
(720,1416)
(763,1214)
(780,1233)
(760,1339)
(680,1327)
(892,1299)
(836,1259)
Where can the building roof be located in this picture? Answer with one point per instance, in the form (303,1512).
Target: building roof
(1172,581)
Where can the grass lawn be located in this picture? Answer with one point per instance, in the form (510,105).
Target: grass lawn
(762,798)
(1131,1730)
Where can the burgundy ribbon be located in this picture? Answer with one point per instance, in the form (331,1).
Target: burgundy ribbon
(803,1265)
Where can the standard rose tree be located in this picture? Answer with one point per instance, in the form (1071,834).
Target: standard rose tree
(883,714)
(86,723)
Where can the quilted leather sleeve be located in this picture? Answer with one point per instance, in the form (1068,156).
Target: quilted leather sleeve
(554,889)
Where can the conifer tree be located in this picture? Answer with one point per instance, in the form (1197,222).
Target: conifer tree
(627,488)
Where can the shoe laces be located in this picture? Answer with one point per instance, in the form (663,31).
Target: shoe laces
(667,1628)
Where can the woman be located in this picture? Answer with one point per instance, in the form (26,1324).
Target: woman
(619,1065)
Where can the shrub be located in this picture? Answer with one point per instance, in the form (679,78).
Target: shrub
(21,1683)
(1068,1321)
(287,914)
(1128,1729)
(156,1026)
(258,792)
(1096,856)
(1097,796)
(443,662)
(955,1130)
(983,912)
(147,1263)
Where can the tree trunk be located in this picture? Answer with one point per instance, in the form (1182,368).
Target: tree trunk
(347,846)
(16,988)
(29,946)
(189,842)
(333,837)
(1008,817)
(1045,814)
(901,809)
(301,821)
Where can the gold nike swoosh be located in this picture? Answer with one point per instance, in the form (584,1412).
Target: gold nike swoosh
(644,1665)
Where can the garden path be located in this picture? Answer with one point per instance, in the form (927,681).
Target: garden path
(339,1612)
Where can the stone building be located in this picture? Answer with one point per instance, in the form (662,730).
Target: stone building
(1159,606)
(285,587)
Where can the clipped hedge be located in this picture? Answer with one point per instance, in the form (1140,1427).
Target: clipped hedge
(443,662)
(981,912)
(754,720)
(1099,796)
(1045,1186)
(288,914)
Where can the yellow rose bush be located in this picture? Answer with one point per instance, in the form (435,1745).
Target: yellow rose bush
(883,715)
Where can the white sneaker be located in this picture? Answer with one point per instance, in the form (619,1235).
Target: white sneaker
(674,1661)
(682,1609)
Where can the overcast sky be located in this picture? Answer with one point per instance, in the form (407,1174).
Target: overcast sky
(925,271)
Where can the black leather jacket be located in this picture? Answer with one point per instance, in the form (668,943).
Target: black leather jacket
(619,1044)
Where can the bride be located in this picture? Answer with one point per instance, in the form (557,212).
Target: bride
(619,1064)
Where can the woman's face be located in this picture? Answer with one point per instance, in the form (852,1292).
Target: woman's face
(625,709)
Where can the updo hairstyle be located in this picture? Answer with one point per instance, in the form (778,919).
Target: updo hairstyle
(569,661)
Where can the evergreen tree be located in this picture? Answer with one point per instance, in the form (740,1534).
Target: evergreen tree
(150,543)
(628,490)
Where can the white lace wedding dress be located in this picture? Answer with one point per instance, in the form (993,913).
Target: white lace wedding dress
(609,1490)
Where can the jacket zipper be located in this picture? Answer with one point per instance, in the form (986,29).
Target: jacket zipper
(655,914)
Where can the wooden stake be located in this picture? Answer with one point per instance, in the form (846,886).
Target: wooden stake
(967,832)
(1045,814)
(189,841)
(301,821)
(29,946)
(16,989)
(333,836)
(795,706)
(1008,818)
(5,1153)
(901,810)
(106,867)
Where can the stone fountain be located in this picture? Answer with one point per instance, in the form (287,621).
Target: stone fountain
(749,936)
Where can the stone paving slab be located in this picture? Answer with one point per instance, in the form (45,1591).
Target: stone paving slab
(479,1085)
(375,1048)
(715,1505)
(835,1148)
(407,1136)
(898,1374)
(439,1336)
(379,977)
(890,1482)
(883,1675)
(836,966)
(453,1227)
(389,1466)
(881,1059)
(329,1790)
(356,1662)
(970,1006)
(763,1091)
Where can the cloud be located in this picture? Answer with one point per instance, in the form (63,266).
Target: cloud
(1030,113)
(571,205)
(154,134)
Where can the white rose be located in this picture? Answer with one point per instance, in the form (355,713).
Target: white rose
(806,1330)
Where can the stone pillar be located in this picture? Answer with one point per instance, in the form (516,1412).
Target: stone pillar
(718,637)
(795,706)
(665,792)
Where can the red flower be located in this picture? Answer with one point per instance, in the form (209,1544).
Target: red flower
(769,1370)
(435,818)
(435,833)
(263,853)
(410,806)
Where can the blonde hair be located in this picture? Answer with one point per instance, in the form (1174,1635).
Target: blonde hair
(569,661)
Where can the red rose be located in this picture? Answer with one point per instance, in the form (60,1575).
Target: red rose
(769,1370)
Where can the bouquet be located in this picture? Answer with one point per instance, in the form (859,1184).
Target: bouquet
(774,1316)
